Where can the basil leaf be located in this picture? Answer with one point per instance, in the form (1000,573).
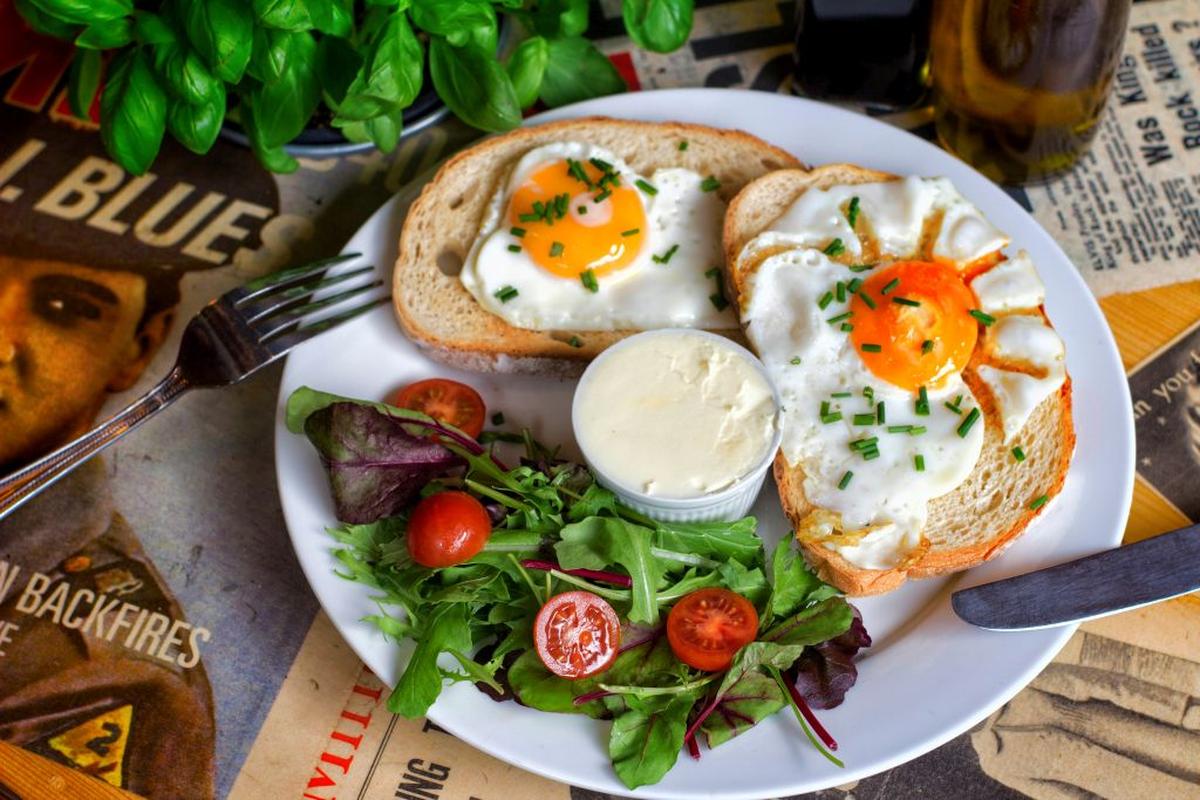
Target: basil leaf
(292,97)
(106,35)
(645,740)
(337,64)
(557,18)
(85,12)
(44,23)
(273,157)
(744,704)
(599,542)
(151,28)
(420,684)
(332,17)
(526,67)
(83,81)
(288,15)
(186,75)
(222,31)
(474,85)
(384,130)
(794,585)
(658,25)
(269,55)
(391,75)
(578,71)
(133,112)
(194,125)
(460,21)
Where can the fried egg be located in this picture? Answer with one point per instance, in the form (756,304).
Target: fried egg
(864,311)
(576,240)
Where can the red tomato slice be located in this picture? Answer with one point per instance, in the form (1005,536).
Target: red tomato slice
(444,400)
(447,528)
(708,626)
(577,634)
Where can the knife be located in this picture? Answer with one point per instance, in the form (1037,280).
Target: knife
(1149,571)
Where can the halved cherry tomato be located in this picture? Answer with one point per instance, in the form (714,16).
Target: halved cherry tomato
(447,528)
(577,634)
(444,400)
(708,626)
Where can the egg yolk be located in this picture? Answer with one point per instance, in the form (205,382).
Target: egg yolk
(577,216)
(917,327)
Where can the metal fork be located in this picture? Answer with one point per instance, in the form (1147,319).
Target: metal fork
(230,339)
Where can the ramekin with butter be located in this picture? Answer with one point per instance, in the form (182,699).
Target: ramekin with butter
(681,424)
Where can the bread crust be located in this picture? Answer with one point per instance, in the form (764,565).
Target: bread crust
(437,312)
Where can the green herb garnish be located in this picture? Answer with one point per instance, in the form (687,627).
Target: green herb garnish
(505,293)
(919,462)
(926,346)
(665,257)
(588,279)
(710,184)
(646,187)
(986,319)
(1038,502)
(718,300)
(825,300)
(845,481)
(866,298)
(922,408)
(514,248)
(889,286)
(864,419)
(852,211)
(631,232)
(1018,453)
(872,348)
(966,424)
(517,232)
(904,301)
(834,248)
(556,249)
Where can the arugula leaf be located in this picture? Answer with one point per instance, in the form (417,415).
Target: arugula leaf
(813,625)
(749,583)
(83,81)
(445,629)
(645,740)
(658,25)
(744,704)
(794,585)
(526,66)
(133,112)
(716,540)
(578,71)
(599,542)
(474,85)
(222,31)
(827,671)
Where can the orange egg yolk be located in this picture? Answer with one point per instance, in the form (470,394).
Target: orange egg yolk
(920,328)
(572,225)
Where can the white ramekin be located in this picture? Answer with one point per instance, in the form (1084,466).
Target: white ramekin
(731,503)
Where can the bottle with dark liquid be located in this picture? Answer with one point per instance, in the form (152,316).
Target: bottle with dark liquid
(1019,85)
(872,52)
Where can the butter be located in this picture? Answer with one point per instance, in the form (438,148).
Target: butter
(676,414)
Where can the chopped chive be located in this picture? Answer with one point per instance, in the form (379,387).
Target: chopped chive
(539,208)
(517,232)
(922,408)
(899,428)
(1038,502)
(847,327)
(556,249)
(712,272)
(505,293)
(602,196)
(841,292)
(852,211)
(665,257)
(870,455)
(968,422)
(866,298)
(872,348)
(581,210)
(682,145)
(831,417)
(986,319)
(958,400)
(824,408)
(575,341)
(919,462)
(646,187)
(498,418)
(892,284)
(514,248)
(845,481)
(926,346)
(869,393)
(560,204)
(718,300)
(916,430)
(864,419)
(601,165)
(588,279)
(864,444)
(854,285)
(529,217)
(952,407)
(1018,453)
(904,301)
(631,232)
(880,413)
(795,362)
(861,267)
(834,248)
(840,317)
(825,300)
(576,171)
(710,184)
(840,394)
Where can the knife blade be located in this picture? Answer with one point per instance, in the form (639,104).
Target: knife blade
(1115,580)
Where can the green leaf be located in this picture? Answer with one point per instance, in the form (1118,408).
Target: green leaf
(460,21)
(332,17)
(474,85)
(794,586)
(107,34)
(222,31)
(269,55)
(537,687)
(557,18)
(45,23)
(750,583)
(83,81)
(186,75)
(133,112)
(473,671)
(815,624)
(384,130)
(578,71)
(716,540)
(288,15)
(658,25)
(306,401)
(196,126)
(526,66)
(419,686)
(290,99)
(744,704)
(600,542)
(391,75)
(645,740)
(337,64)
(84,12)
(151,28)
(273,157)
(392,628)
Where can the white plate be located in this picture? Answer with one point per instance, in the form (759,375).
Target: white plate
(929,676)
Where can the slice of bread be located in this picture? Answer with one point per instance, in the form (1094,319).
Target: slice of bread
(442,317)
(983,515)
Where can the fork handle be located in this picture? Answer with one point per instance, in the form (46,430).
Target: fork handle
(28,481)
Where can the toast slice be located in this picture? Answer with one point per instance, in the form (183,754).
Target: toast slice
(982,516)
(442,317)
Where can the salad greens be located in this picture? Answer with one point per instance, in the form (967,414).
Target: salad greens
(555,530)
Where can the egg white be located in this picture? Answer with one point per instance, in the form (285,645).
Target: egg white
(641,296)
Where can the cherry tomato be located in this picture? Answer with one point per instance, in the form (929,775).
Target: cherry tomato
(447,528)
(708,626)
(444,400)
(577,634)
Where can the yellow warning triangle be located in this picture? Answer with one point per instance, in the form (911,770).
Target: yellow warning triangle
(97,746)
